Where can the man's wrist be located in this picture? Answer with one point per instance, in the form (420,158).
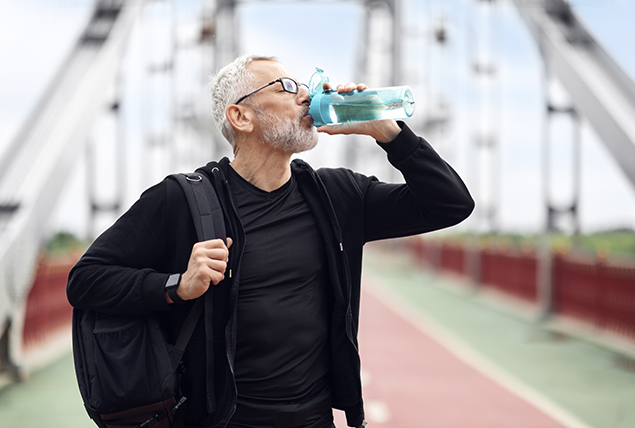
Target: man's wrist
(387,131)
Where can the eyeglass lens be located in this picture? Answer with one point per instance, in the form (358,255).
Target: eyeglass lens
(289,85)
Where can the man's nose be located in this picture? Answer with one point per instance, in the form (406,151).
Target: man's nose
(303,93)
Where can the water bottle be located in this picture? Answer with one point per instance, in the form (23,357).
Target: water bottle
(327,107)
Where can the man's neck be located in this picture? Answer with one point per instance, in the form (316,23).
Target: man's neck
(264,167)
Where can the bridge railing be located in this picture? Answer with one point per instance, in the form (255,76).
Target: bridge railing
(47,309)
(512,272)
(598,292)
(592,290)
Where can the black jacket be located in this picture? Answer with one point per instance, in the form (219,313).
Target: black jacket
(125,269)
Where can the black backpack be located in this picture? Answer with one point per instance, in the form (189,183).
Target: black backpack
(128,372)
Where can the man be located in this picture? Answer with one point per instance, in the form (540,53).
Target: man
(287,283)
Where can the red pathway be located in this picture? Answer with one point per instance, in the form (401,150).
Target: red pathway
(411,381)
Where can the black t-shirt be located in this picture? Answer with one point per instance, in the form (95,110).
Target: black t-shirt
(282,352)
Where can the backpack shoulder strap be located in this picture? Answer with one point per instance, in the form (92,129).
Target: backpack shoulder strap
(204,205)
(209,223)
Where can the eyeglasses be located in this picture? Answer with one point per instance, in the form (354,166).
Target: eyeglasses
(288,84)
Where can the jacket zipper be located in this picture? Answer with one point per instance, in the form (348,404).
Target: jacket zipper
(344,258)
(347,275)
(230,330)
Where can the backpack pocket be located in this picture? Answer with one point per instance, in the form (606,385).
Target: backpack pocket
(137,367)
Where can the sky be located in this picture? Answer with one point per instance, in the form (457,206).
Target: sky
(36,35)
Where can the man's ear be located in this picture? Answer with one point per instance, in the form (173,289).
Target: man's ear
(240,117)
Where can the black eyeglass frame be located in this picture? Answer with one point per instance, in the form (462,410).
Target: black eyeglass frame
(281,80)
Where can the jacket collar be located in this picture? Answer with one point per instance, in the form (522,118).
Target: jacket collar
(305,175)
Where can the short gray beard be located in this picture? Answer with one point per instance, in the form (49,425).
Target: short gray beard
(286,134)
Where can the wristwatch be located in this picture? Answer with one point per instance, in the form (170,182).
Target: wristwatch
(170,287)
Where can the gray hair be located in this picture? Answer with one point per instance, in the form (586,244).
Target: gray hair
(228,85)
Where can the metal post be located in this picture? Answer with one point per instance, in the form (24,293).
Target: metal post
(577,174)
(545,277)
(544,274)
(226,34)
(473,261)
(553,211)
(120,145)
(173,161)
(397,31)
(114,206)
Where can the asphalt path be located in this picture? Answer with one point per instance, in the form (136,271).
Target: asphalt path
(436,353)
(413,381)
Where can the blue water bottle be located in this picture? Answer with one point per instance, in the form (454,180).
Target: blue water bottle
(327,107)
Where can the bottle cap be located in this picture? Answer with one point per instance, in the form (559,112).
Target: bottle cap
(317,82)
(319,113)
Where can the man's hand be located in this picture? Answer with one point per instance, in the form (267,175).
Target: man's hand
(383,131)
(207,264)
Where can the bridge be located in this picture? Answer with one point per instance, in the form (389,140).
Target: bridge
(84,117)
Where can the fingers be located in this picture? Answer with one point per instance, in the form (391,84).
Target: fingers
(207,264)
(213,254)
(349,87)
(216,248)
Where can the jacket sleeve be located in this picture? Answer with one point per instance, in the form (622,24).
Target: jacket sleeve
(433,196)
(121,271)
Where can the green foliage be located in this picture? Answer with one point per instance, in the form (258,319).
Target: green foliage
(64,243)
(619,243)
(612,243)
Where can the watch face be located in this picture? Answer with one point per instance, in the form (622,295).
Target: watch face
(173,281)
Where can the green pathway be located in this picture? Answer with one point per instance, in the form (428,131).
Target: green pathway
(583,383)
(49,398)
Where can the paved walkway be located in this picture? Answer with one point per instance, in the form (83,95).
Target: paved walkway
(413,382)
(462,361)
(432,357)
